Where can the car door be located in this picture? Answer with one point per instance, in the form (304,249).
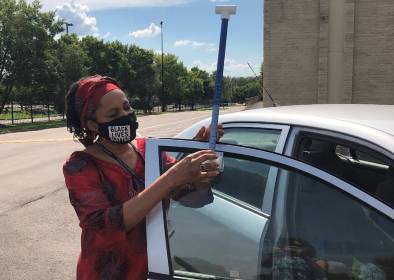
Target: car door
(227,234)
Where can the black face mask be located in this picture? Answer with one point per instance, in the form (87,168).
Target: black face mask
(122,130)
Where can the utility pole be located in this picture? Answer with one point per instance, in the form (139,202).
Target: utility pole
(64,105)
(163,106)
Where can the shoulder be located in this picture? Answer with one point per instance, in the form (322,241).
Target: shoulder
(79,163)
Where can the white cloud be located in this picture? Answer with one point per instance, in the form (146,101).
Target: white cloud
(197,45)
(105,4)
(231,67)
(209,67)
(151,31)
(181,43)
(218,0)
(77,14)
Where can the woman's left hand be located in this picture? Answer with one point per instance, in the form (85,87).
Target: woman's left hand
(203,133)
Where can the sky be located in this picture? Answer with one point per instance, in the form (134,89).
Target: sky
(191,29)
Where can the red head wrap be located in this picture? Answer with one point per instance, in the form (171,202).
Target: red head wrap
(90,91)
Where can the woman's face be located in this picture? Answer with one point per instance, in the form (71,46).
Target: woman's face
(112,106)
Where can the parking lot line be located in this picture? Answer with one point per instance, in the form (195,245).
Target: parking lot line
(35,140)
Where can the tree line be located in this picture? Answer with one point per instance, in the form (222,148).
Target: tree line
(37,65)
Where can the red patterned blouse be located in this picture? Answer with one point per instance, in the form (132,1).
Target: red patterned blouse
(97,191)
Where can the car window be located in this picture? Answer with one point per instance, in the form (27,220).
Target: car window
(265,139)
(217,231)
(319,232)
(342,151)
(354,154)
(241,179)
(315,231)
(355,164)
(362,156)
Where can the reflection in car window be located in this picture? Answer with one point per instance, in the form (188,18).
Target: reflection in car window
(244,180)
(318,232)
(265,139)
(241,179)
(214,234)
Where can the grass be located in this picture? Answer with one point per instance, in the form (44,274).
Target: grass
(204,108)
(31,126)
(208,108)
(9,128)
(21,115)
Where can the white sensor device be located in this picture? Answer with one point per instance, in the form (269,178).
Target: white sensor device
(226,10)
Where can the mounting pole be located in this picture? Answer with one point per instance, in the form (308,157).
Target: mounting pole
(225,11)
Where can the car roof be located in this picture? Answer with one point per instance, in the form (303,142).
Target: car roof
(374,123)
(379,117)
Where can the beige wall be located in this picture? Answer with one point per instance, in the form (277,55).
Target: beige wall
(374,52)
(296,52)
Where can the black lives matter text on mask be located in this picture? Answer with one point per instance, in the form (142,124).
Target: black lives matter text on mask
(119,133)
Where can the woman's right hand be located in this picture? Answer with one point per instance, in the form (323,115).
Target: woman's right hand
(188,170)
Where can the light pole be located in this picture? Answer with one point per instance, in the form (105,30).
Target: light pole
(163,106)
(67,25)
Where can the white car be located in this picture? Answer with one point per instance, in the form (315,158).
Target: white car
(307,192)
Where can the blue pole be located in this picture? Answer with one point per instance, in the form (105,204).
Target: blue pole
(218,85)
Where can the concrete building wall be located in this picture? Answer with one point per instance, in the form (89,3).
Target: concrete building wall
(300,61)
(291,44)
(374,52)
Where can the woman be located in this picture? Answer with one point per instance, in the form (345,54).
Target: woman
(106,180)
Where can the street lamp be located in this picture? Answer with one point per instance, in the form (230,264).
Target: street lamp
(67,25)
(162,65)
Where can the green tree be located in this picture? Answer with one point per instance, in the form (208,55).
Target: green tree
(36,68)
(26,33)
(208,85)
(119,62)
(245,88)
(72,61)
(174,75)
(96,52)
(195,90)
(227,88)
(143,84)
(108,59)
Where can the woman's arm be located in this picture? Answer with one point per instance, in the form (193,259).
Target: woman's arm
(88,193)
(186,171)
(136,209)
